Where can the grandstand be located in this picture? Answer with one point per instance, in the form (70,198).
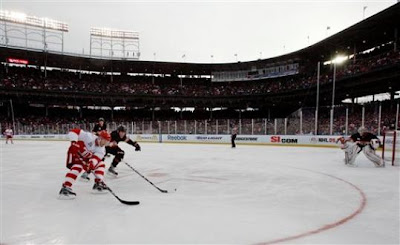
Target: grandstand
(269,96)
(301,148)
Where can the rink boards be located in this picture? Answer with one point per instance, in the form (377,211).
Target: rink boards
(284,140)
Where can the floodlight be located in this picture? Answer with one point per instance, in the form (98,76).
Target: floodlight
(19,17)
(22,18)
(340,59)
(106,32)
(102,38)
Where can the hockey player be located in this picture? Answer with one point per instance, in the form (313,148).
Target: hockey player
(361,141)
(85,153)
(9,135)
(116,137)
(100,126)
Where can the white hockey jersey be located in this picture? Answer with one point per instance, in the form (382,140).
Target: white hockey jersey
(89,140)
(8,132)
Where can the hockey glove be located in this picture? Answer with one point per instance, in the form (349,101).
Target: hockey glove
(342,140)
(74,148)
(137,147)
(86,154)
(375,143)
(86,167)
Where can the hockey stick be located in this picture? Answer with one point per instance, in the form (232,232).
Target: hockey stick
(123,201)
(109,189)
(163,191)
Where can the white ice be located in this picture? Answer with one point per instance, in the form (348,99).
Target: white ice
(247,195)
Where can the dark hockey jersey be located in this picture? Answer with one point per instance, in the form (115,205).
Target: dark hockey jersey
(365,137)
(115,137)
(97,128)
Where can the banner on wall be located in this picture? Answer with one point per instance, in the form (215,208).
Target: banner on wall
(145,137)
(212,138)
(254,139)
(42,137)
(190,138)
(301,140)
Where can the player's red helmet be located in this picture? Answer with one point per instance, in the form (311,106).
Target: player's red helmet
(105,135)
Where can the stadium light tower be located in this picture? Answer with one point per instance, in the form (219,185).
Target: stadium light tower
(31,30)
(118,43)
(317,102)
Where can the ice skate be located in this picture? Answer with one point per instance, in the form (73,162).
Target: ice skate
(66,193)
(112,171)
(351,165)
(99,187)
(381,164)
(85,177)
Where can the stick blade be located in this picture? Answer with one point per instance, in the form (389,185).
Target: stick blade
(129,202)
(167,191)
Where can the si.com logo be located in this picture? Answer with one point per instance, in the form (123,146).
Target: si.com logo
(289,141)
(275,139)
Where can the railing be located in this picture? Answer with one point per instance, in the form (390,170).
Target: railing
(375,117)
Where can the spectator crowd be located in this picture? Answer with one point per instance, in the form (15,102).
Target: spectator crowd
(56,80)
(64,120)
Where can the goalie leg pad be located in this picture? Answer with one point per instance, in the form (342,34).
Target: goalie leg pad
(351,151)
(369,152)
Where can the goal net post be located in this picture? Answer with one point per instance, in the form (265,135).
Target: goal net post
(391,147)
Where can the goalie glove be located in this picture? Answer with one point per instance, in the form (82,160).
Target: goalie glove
(342,140)
(375,143)
(343,143)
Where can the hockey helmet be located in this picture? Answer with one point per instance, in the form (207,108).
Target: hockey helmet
(105,135)
(362,130)
(121,128)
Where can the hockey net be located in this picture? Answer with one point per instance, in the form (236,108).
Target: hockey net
(391,147)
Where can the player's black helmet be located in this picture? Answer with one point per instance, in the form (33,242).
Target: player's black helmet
(121,128)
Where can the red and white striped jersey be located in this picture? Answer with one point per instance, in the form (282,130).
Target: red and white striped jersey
(8,132)
(89,140)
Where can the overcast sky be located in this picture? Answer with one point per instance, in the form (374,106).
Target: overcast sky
(199,29)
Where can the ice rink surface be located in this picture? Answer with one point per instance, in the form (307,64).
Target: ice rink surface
(247,195)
